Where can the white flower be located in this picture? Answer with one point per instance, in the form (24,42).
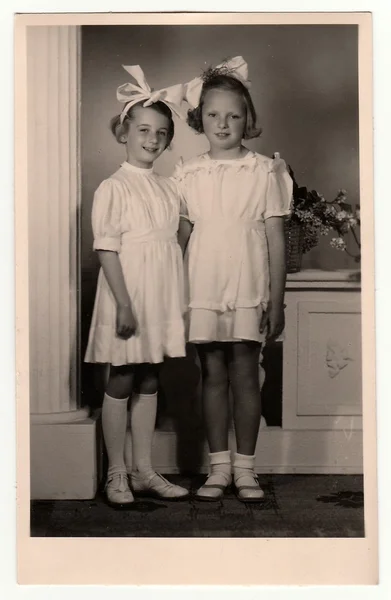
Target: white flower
(342,196)
(342,215)
(338,243)
(330,210)
(324,230)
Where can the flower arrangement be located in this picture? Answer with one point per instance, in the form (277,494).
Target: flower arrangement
(317,216)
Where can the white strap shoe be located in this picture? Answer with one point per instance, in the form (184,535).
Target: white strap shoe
(214,487)
(247,488)
(156,486)
(117,489)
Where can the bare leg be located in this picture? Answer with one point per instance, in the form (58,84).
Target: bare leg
(120,381)
(214,394)
(215,408)
(244,378)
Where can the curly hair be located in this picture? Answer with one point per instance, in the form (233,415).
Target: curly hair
(119,129)
(221,78)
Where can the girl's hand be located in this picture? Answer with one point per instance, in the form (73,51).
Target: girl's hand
(273,320)
(276,324)
(126,324)
(264,320)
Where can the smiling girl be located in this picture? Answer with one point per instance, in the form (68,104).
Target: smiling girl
(137,318)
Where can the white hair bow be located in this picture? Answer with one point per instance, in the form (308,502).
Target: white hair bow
(130,94)
(235,67)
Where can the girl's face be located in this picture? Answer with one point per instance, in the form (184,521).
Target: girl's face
(223,120)
(147,136)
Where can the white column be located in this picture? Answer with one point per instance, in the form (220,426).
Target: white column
(53,84)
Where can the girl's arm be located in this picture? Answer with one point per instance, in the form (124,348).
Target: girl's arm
(184,232)
(276,246)
(112,269)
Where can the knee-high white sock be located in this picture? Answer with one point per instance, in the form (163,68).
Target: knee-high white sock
(128,454)
(143,410)
(114,412)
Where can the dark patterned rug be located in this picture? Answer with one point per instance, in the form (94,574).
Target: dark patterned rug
(294,506)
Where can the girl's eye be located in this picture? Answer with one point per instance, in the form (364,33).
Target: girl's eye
(144,130)
(236,116)
(211,114)
(163,133)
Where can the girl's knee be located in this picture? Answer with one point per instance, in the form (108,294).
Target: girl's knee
(120,381)
(213,365)
(147,380)
(245,385)
(214,373)
(244,371)
(148,385)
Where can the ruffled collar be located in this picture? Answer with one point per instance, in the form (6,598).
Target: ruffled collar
(250,154)
(209,165)
(249,163)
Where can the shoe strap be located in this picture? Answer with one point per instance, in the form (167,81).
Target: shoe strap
(213,486)
(163,479)
(250,475)
(122,481)
(225,479)
(241,488)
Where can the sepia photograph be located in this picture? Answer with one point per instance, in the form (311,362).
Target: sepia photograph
(198,209)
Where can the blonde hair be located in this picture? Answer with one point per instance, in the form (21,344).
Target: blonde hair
(215,79)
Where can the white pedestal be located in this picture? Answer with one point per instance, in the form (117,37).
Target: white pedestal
(63,459)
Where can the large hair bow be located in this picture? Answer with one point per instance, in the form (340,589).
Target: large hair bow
(234,67)
(130,94)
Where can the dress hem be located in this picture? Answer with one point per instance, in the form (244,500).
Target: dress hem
(138,362)
(225,341)
(237,304)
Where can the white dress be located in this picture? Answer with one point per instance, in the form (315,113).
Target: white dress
(136,213)
(227,266)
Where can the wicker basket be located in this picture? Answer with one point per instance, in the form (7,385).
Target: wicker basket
(294,245)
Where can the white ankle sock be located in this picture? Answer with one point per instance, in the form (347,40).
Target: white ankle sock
(219,475)
(220,462)
(114,412)
(243,465)
(143,410)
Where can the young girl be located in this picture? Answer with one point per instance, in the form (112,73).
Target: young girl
(137,318)
(234,204)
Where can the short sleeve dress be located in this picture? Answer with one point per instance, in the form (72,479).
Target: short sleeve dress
(227,267)
(136,213)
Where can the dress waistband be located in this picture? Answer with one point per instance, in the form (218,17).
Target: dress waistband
(167,234)
(245,224)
